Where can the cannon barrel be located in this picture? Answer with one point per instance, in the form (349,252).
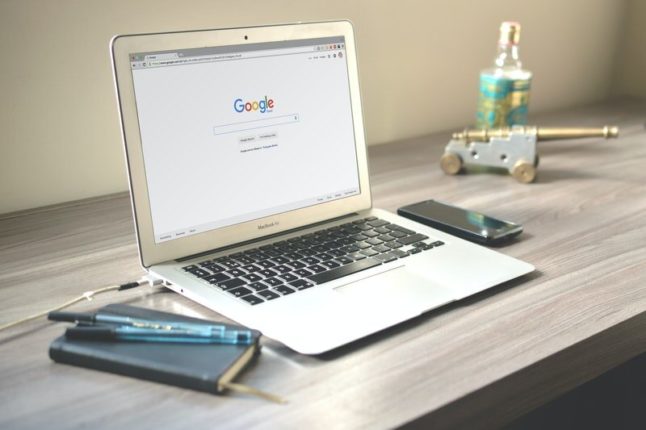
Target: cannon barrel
(541,133)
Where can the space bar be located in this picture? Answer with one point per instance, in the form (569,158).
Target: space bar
(342,271)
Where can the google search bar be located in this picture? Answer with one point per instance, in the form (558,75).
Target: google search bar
(236,127)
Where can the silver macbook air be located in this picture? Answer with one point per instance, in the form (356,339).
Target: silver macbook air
(250,191)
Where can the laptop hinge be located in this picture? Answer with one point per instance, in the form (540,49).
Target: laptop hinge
(260,239)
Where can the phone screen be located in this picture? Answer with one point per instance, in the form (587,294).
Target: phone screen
(441,215)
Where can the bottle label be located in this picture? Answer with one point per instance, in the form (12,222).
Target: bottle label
(503,101)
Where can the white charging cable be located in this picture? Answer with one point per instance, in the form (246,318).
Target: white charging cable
(88,295)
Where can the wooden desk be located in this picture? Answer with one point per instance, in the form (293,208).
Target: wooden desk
(477,363)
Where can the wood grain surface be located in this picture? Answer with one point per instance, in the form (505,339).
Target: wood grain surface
(478,363)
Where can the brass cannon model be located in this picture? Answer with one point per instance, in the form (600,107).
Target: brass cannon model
(512,148)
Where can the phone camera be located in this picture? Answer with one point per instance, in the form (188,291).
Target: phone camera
(246,37)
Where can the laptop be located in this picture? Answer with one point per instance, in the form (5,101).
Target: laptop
(250,191)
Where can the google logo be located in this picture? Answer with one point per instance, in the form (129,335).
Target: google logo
(262,105)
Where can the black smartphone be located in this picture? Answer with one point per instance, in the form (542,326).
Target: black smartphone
(463,223)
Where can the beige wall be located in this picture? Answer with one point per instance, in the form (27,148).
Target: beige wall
(630,76)
(419,63)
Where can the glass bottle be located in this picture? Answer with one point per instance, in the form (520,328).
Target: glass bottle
(504,88)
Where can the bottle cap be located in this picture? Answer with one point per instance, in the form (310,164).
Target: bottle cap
(509,33)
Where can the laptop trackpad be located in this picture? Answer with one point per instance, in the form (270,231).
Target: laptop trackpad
(397,289)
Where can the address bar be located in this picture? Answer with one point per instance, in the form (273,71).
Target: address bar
(224,57)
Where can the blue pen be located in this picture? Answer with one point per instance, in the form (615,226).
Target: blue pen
(82,317)
(138,334)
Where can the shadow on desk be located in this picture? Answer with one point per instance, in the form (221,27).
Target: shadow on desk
(614,400)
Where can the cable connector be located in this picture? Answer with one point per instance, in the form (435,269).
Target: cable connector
(148,279)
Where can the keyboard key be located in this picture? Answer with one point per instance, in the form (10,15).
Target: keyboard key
(379,248)
(399,253)
(268,294)
(356,256)
(267,273)
(274,282)
(266,264)
(257,286)
(230,264)
(362,245)
(231,283)
(437,243)
(370,218)
(350,249)
(331,243)
(382,230)
(303,273)
(252,299)
(294,256)
(397,234)
(370,233)
(394,245)
(280,260)
(387,257)
(308,252)
(412,239)
(317,268)
(344,260)
(236,272)
(300,245)
(336,253)
(348,269)
(288,277)
(271,253)
(301,284)
(240,291)
(330,264)
(217,278)
(214,267)
(200,273)
(364,227)
(284,290)
(320,248)
(296,264)
(250,268)
(350,230)
(386,238)
(374,241)
(324,257)
(370,252)
(400,228)
(378,222)
(281,269)
(252,277)
(415,251)
(310,260)
(244,259)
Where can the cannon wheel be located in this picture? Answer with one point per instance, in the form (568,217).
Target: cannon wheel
(524,172)
(451,163)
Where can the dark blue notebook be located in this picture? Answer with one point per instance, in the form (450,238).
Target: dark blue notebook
(203,367)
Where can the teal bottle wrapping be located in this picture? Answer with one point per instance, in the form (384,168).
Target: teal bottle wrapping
(503,101)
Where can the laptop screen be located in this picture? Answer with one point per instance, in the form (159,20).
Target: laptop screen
(236,133)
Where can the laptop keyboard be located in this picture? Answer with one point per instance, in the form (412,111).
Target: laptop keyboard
(288,266)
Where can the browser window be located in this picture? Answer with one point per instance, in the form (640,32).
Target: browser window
(232,134)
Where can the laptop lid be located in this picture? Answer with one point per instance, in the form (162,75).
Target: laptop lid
(235,134)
